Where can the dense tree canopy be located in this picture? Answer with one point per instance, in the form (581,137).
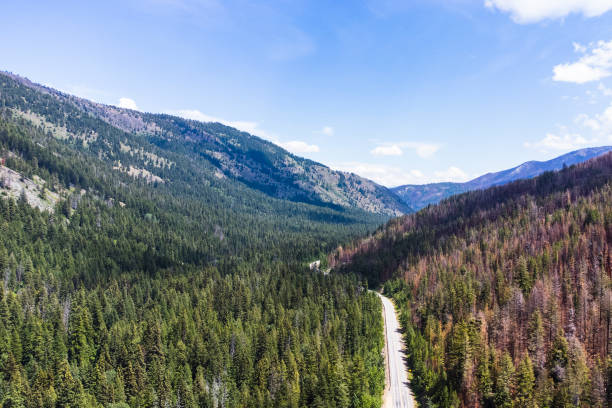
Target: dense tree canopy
(187,289)
(504,293)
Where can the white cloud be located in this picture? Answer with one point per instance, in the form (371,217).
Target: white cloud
(605,119)
(382,174)
(424,150)
(579,47)
(299,147)
(588,122)
(564,141)
(578,73)
(327,131)
(391,176)
(391,150)
(593,130)
(417,174)
(245,126)
(127,103)
(531,11)
(452,174)
(601,122)
(593,66)
(294,146)
(604,90)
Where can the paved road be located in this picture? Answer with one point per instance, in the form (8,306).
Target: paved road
(397,390)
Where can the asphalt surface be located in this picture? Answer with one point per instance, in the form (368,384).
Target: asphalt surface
(397,390)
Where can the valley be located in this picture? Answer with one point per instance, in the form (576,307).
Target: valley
(306,204)
(168,262)
(143,267)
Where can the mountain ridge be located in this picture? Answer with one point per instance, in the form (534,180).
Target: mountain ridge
(137,274)
(259,163)
(503,293)
(419,196)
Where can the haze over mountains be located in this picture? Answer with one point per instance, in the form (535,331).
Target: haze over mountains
(419,196)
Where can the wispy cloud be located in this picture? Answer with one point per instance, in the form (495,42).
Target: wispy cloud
(562,141)
(386,175)
(587,129)
(127,103)
(531,11)
(604,90)
(391,150)
(453,173)
(595,64)
(424,150)
(299,147)
(327,131)
(251,127)
(392,176)
(246,126)
(600,124)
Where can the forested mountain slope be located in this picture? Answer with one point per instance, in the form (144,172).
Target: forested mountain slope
(221,150)
(505,293)
(419,196)
(137,274)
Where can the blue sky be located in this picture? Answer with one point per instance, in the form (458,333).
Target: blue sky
(397,91)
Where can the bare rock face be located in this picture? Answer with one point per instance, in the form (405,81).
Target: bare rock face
(15,185)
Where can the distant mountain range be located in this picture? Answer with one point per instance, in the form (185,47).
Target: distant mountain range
(218,152)
(419,196)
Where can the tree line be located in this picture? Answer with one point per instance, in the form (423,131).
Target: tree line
(504,294)
(184,293)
